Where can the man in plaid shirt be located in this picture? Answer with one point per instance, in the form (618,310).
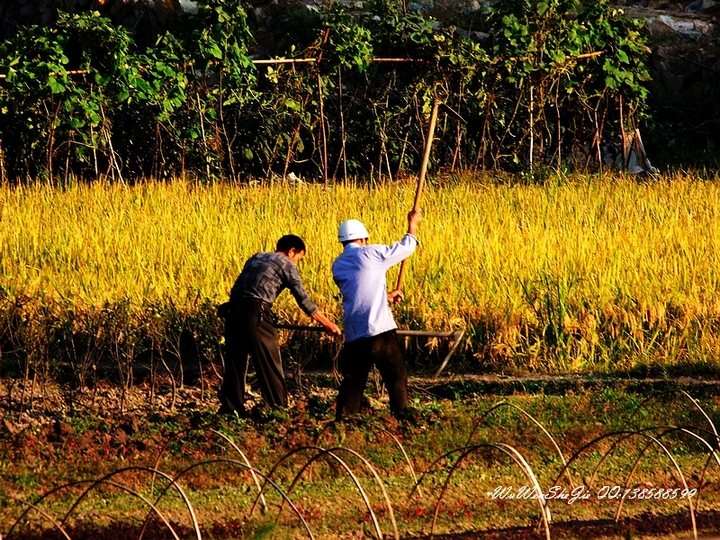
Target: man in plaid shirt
(250,328)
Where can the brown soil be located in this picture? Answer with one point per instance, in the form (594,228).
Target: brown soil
(116,427)
(647,527)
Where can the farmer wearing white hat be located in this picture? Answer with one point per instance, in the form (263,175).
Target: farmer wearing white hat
(370,330)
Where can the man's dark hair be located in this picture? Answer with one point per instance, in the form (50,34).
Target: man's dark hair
(288,242)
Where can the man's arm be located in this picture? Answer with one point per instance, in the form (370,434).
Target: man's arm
(330,326)
(293,282)
(414,218)
(403,248)
(295,285)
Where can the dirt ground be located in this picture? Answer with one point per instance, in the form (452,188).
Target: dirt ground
(113,419)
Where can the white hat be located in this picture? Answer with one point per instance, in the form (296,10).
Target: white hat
(352,229)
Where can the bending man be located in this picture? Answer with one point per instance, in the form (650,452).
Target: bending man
(370,330)
(249,324)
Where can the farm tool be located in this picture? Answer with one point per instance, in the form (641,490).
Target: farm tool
(456,337)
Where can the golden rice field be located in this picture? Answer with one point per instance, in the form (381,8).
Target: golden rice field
(602,274)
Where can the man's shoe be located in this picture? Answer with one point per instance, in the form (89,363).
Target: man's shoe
(409,415)
(224,409)
(240,413)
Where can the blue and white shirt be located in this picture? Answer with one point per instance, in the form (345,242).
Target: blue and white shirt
(359,272)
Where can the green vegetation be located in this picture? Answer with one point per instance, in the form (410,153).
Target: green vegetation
(83,98)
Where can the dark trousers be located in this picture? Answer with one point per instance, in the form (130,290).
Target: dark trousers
(249,331)
(356,360)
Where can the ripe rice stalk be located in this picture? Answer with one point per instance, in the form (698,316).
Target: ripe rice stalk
(641,258)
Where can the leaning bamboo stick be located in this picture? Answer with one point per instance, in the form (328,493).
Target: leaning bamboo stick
(315,60)
(286,61)
(53,73)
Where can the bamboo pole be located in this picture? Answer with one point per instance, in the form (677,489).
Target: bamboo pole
(625,149)
(272,61)
(421,177)
(323,134)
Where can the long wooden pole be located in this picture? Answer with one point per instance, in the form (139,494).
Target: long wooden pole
(421,178)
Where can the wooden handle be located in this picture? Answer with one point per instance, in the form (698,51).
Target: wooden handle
(421,178)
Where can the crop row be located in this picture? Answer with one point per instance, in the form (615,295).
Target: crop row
(604,274)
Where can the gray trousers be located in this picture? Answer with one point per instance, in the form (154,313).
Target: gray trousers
(249,330)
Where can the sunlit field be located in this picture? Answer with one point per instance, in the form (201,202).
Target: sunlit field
(603,274)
